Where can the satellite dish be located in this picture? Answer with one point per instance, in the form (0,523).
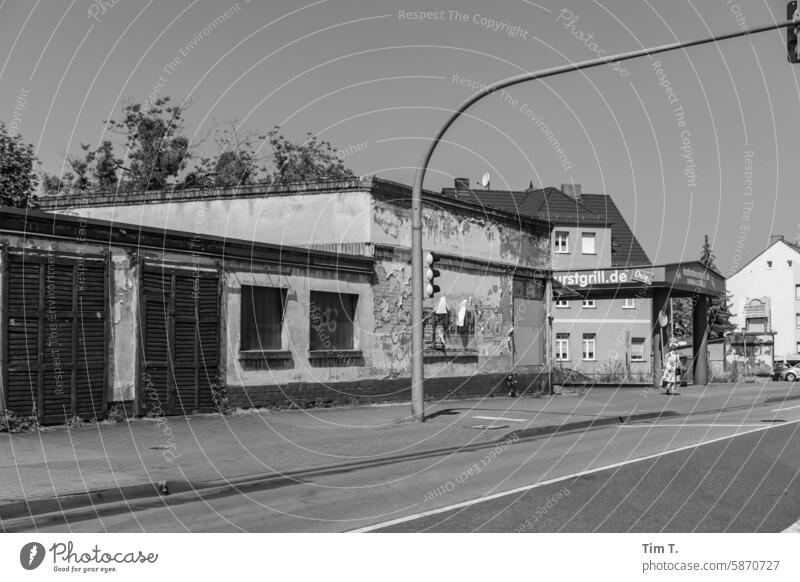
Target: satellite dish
(485,179)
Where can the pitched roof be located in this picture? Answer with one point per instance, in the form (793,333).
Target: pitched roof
(553,205)
(625,249)
(791,245)
(548,204)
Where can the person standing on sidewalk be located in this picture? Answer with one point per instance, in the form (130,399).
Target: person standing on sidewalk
(671,365)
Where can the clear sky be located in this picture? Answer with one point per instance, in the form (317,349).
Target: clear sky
(376,74)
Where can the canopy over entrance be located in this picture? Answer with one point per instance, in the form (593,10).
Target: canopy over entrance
(680,279)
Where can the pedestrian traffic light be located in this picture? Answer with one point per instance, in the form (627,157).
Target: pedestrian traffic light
(791,33)
(431,272)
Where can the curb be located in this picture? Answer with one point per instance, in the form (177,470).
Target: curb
(585,424)
(87,505)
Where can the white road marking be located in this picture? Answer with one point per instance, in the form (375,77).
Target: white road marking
(787,408)
(689,424)
(501,418)
(524,488)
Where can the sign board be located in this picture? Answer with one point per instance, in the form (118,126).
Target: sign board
(584,279)
(694,277)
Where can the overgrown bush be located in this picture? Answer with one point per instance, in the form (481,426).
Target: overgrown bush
(220,398)
(11,422)
(116,413)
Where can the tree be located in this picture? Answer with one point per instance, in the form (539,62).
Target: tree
(157,149)
(682,316)
(719,308)
(234,165)
(707,256)
(238,162)
(312,160)
(18,178)
(94,171)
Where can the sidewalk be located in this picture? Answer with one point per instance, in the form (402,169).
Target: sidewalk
(203,449)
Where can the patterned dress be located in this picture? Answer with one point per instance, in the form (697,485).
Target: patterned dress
(671,368)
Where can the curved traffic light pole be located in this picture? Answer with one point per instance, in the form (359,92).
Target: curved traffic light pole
(417,332)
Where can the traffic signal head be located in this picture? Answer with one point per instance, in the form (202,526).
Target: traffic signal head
(791,33)
(431,288)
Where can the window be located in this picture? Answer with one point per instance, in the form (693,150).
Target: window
(629,303)
(561,242)
(562,347)
(797,291)
(789,263)
(261,318)
(637,349)
(769,264)
(332,321)
(587,243)
(797,320)
(797,348)
(589,304)
(562,304)
(589,346)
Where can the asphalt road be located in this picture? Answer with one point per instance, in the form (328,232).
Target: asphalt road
(747,484)
(639,477)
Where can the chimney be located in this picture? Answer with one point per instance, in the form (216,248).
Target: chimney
(572,190)
(461,184)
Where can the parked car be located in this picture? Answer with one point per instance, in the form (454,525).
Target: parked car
(790,374)
(777,369)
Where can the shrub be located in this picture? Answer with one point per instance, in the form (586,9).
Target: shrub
(10,422)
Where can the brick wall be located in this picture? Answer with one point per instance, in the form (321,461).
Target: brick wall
(362,392)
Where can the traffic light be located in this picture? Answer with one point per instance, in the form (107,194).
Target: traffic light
(791,33)
(431,272)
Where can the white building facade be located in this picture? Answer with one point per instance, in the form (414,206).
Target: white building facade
(773,274)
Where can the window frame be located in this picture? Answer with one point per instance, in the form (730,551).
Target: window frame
(556,246)
(591,340)
(350,319)
(797,320)
(797,292)
(593,237)
(589,304)
(627,305)
(561,304)
(562,341)
(639,341)
(245,308)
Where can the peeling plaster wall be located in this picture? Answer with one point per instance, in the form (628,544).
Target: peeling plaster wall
(124,327)
(462,233)
(491,302)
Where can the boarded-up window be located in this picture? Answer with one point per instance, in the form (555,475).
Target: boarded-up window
(262,317)
(332,321)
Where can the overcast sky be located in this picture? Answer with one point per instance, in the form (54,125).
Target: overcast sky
(376,74)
